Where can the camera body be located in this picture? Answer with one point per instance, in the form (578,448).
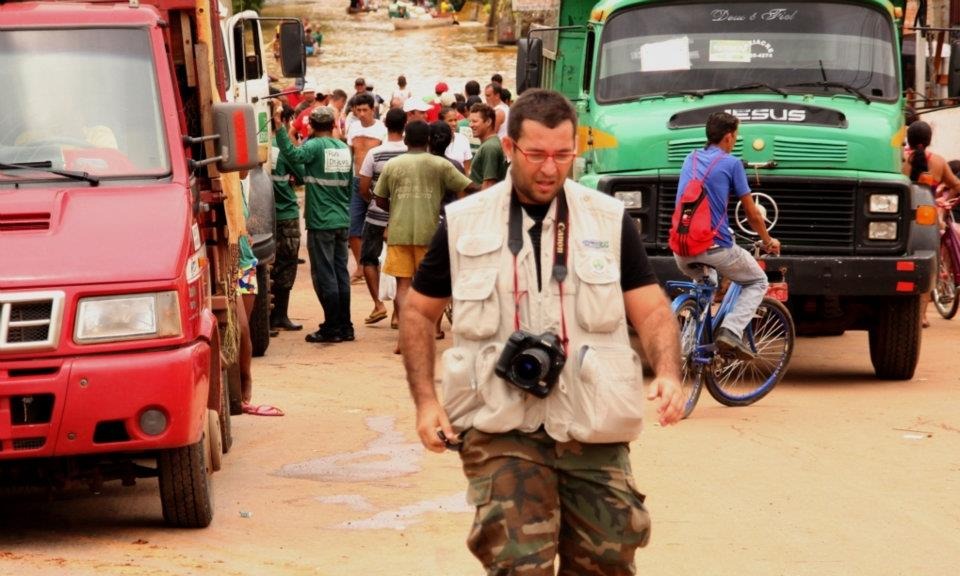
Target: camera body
(532,362)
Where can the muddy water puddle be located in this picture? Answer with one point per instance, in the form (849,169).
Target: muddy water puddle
(388,455)
(365,45)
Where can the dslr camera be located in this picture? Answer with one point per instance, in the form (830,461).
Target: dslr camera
(532,363)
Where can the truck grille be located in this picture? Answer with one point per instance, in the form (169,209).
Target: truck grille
(796,150)
(815,217)
(30,320)
(677,150)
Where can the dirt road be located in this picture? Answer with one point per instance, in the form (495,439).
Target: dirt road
(834,473)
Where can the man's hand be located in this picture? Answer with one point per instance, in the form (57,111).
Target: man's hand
(430,419)
(772,246)
(670,406)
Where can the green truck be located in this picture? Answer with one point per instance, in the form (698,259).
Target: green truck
(817,87)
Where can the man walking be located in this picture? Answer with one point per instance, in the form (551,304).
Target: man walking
(363,133)
(411,188)
(541,390)
(327,170)
(723,175)
(489,165)
(283,274)
(371,244)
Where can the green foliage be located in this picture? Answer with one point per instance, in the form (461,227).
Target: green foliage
(241,5)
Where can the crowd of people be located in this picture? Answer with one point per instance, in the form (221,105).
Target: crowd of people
(375,173)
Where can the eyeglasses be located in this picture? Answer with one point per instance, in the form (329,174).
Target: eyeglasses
(560,158)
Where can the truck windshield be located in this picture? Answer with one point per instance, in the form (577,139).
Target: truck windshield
(818,47)
(83,100)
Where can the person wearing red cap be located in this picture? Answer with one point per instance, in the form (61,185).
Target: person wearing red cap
(433,114)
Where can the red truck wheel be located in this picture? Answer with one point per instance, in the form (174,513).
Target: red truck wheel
(186,493)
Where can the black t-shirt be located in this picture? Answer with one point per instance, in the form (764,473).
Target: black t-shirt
(433,277)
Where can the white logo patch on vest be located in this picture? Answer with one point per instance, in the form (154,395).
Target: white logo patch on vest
(336,160)
(596,244)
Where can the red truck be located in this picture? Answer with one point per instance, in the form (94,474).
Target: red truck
(120,169)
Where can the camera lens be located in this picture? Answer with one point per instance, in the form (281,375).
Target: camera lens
(530,366)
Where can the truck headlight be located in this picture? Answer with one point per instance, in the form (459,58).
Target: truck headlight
(884,203)
(631,199)
(137,316)
(882,231)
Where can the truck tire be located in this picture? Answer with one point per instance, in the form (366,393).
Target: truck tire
(186,493)
(895,338)
(226,426)
(260,317)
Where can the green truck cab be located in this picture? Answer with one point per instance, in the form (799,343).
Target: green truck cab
(817,87)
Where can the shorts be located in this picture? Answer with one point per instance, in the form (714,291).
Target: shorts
(247,280)
(403,260)
(371,244)
(358,209)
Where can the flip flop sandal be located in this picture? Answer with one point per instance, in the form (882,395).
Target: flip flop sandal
(261,410)
(375,317)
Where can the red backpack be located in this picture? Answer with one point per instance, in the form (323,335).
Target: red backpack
(690,231)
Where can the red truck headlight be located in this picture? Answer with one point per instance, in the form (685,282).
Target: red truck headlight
(128,317)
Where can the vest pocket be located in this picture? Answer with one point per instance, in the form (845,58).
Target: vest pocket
(476,303)
(609,404)
(599,299)
(457,384)
(503,408)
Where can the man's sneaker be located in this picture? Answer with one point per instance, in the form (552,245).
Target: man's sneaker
(728,342)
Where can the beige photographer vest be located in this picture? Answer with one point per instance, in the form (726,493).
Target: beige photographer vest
(599,397)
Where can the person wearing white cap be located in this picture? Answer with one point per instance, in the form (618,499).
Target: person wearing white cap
(317,97)
(416,109)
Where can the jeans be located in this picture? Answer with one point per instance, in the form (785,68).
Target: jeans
(331,280)
(738,265)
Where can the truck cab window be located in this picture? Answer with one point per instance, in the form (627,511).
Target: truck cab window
(84,100)
(707,46)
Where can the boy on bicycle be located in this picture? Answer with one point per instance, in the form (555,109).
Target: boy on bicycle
(723,175)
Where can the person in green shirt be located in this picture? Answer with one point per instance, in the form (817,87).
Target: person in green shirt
(489,164)
(327,169)
(411,187)
(283,274)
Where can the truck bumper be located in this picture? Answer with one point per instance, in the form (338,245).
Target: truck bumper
(93,404)
(838,275)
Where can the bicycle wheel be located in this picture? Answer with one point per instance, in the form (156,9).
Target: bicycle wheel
(734,382)
(945,290)
(691,373)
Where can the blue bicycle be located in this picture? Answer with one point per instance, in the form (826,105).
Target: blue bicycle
(731,381)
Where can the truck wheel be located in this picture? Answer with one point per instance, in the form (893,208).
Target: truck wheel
(226,427)
(186,493)
(895,338)
(260,317)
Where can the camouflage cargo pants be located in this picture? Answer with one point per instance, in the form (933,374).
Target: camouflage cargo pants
(537,498)
(284,271)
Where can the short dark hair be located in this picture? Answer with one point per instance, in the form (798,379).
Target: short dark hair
(485,112)
(360,82)
(719,124)
(473,99)
(363,98)
(542,106)
(395,120)
(440,137)
(444,111)
(339,94)
(471,88)
(401,81)
(505,95)
(497,78)
(320,126)
(496,88)
(416,134)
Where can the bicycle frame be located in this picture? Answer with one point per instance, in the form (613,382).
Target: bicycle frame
(951,241)
(702,292)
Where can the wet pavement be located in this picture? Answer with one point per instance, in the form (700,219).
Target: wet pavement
(366,45)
